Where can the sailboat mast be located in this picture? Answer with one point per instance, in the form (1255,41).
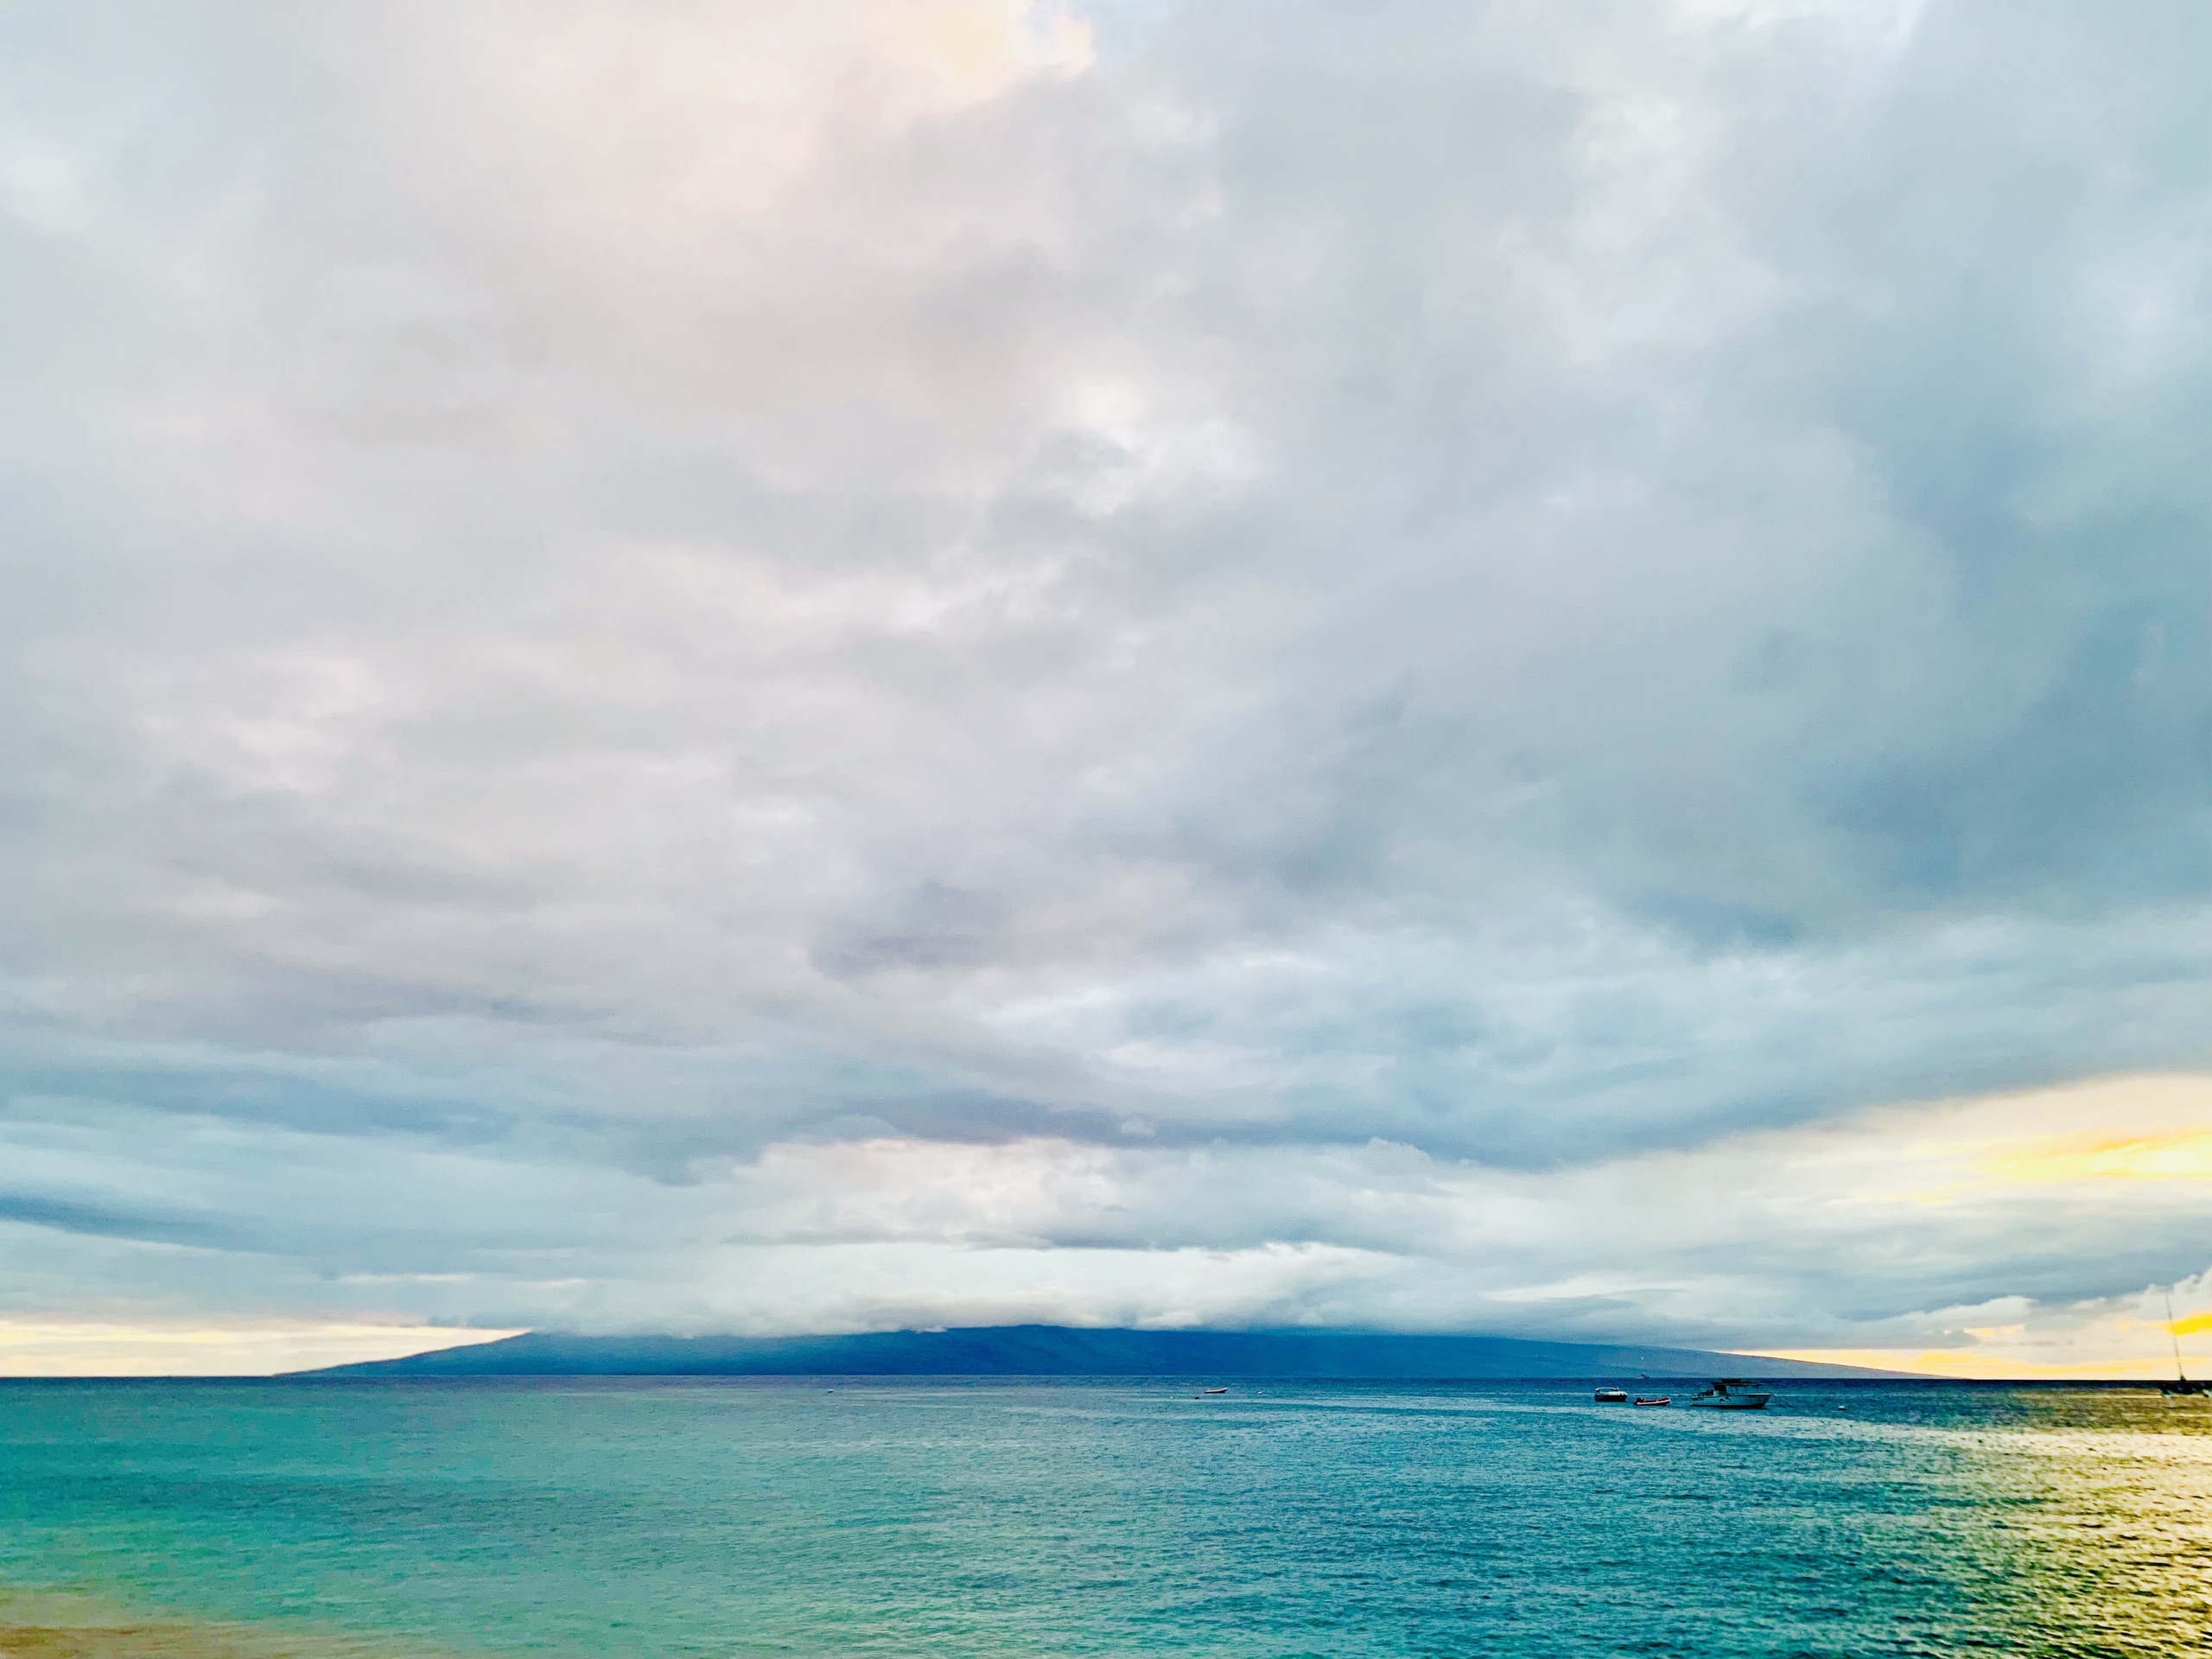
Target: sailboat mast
(2174,1337)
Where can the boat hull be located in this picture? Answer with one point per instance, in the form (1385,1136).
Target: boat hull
(1735,1402)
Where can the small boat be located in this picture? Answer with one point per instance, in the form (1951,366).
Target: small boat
(1654,1400)
(1202,1393)
(2181,1384)
(1732,1394)
(1612,1396)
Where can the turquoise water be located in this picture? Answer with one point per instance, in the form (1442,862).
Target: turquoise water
(729,1517)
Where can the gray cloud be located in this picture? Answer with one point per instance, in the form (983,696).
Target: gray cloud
(610,587)
(1909,1229)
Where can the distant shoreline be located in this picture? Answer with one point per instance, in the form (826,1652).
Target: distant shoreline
(1176,1381)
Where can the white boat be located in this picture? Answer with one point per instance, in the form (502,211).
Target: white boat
(1732,1394)
(1612,1396)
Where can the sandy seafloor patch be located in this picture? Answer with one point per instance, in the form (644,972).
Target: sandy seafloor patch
(77,1625)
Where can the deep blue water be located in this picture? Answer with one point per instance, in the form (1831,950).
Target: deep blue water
(622,1517)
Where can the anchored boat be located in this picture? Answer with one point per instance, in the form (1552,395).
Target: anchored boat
(2181,1384)
(1610,1397)
(1732,1394)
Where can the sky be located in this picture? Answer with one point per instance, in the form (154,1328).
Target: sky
(1527,668)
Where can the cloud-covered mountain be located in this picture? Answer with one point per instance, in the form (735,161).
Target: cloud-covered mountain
(1056,1350)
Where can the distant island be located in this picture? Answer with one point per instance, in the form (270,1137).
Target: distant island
(1063,1350)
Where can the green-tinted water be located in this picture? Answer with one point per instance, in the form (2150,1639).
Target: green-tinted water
(894,1518)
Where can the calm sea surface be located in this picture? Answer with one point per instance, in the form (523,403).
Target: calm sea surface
(735,1517)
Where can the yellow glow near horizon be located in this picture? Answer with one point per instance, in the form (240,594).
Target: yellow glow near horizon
(98,1348)
(2185,1156)
(1983,1365)
(2148,1130)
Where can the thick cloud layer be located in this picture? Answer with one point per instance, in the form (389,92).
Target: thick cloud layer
(597,596)
(1992,1231)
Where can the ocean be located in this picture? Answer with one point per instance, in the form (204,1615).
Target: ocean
(883,1518)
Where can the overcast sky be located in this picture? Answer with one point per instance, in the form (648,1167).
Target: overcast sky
(1537,668)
